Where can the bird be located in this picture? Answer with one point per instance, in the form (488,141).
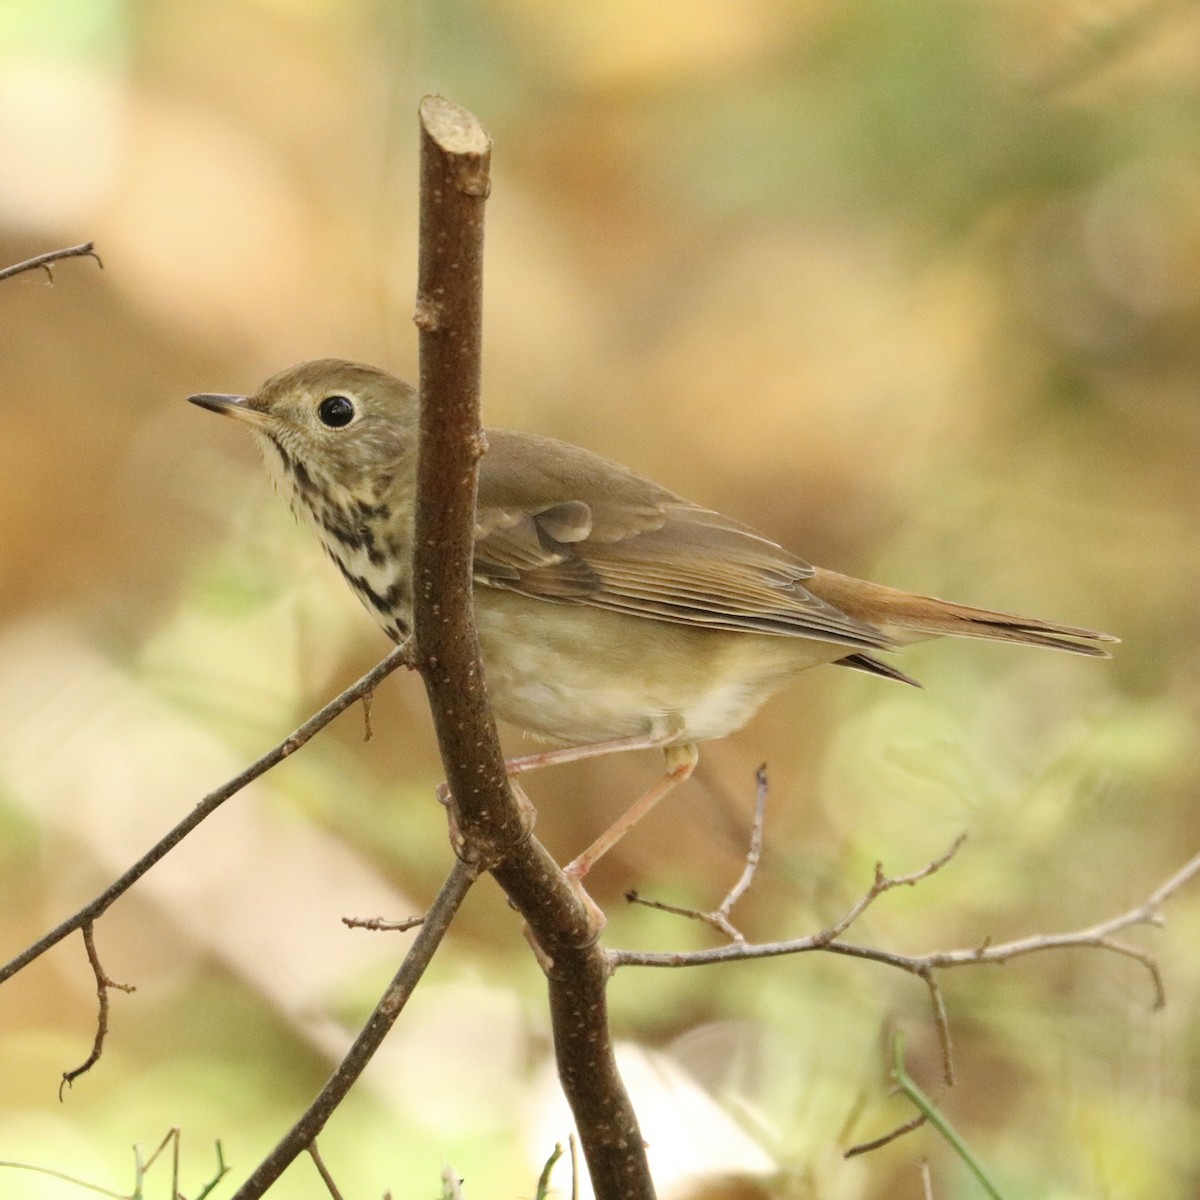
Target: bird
(612,613)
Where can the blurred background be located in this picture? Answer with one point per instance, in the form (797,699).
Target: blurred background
(912,286)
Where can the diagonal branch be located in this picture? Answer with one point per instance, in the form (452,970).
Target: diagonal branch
(301,1135)
(401,656)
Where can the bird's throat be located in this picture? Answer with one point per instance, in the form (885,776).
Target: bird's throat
(368,535)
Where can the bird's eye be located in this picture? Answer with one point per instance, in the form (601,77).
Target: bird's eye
(335,411)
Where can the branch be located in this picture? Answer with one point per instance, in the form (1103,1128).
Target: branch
(925,966)
(491,819)
(301,1136)
(401,656)
(720,917)
(43,261)
(103,985)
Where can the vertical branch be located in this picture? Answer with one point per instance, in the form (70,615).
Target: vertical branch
(455,158)
(493,827)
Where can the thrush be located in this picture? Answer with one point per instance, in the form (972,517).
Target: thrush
(612,613)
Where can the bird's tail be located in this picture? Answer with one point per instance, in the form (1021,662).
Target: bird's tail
(906,617)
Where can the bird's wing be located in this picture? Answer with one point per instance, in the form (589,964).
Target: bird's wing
(557,523)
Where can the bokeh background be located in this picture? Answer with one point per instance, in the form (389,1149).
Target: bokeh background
(911,285)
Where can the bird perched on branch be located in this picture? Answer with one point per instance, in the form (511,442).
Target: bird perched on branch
(612,614)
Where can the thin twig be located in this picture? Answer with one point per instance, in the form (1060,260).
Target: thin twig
(222,1171)
(323,1171)
(140,1169)
(401,656)
(543,1183)
(1098,936)
(310,1124)
(925,966)
(367,700)
(886,1138)
(941,1021)
(754,854)
(719,918)
(926,1178)
(103,984)
(43,261)
(884,883)
(382,924)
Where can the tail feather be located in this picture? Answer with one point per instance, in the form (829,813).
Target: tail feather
(874,666)
(907,617)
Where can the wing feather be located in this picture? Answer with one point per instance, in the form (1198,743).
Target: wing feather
(557,523)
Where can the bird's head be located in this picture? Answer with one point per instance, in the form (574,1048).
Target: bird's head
(328,425)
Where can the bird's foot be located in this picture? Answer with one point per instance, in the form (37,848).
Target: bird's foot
(596,920)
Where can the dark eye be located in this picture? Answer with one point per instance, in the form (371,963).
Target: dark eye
(335,411)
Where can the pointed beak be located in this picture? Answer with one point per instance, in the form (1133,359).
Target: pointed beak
(231,406)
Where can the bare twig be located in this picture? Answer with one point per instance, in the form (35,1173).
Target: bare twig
(75,1181)
(382,924)
(886,1139)
(926,1179)
(493,825)
(322,1170)
(301,1135)
(754,854)
(925,966)
(937,1002)
(719,918)
(103,983)
(401,656)
(543,1183)
(43,261)
(140,1169)
(1098,935)
(884,883)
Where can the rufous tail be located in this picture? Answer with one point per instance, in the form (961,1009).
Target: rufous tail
(910,618)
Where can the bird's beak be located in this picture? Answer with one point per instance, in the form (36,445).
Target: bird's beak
(231,406)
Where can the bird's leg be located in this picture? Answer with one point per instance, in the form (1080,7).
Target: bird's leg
(681,762)
(566,754)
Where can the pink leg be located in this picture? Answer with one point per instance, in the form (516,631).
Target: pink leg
(681,762)
(566,754)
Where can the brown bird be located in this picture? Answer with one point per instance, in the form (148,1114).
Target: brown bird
(612,613)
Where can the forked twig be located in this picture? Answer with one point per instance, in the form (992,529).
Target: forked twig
(43,261)
(103,984)
(719,918)
(925,966)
